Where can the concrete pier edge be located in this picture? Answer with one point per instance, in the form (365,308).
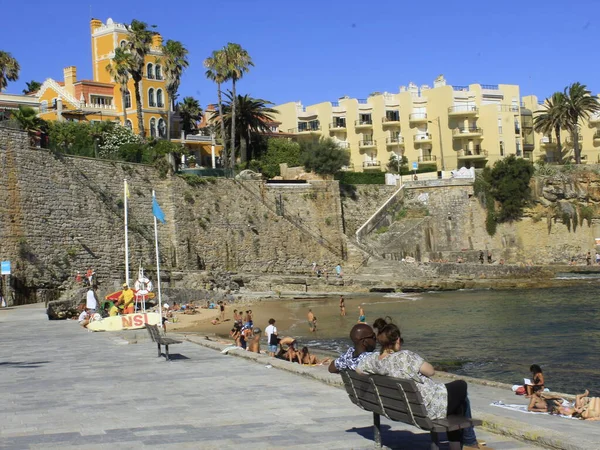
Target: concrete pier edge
(496,424)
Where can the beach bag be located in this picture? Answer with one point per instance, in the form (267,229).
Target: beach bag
(273,339)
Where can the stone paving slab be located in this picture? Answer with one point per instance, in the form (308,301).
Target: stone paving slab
(64,387)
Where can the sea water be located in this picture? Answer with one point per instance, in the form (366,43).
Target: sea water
(491,334)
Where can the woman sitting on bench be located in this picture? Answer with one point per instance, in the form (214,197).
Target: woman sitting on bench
(440,400)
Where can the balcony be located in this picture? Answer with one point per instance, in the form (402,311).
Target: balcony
(597,136)
(426,158)
(570,140)
(417,117)
(594,119)
(467,132)
(343,144)
(471,155)
(547,141)
(393,141)
(422,138)
(337,126)
(463,110)
(367,143)
(363,123)
(315,129)
(390,121)
(348,168)
(372,165)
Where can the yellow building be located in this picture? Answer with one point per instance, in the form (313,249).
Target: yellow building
(446,126)
(100,98)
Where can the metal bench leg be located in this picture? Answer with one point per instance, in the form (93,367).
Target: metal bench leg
(377,429)
(159,352)
(167,352)
(435,441)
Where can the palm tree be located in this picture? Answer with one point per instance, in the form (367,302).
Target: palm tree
(254,117)
(28,120)
(32,86)
(118,69)
(238,62)
(552,119)
(9,69)
(579,105)
(190,113)
(140,39)
(216,72)
(175,62)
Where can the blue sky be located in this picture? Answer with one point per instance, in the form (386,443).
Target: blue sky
(320,50)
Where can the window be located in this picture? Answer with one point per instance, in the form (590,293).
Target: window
(128,100)
(159,96)
(339,122)
(392,116)
(150,71)
(162,128)
(153,127)
(151,101)
(128,124)
(158,72)
(365,119)
(44,106)
(501,148)
(100,101)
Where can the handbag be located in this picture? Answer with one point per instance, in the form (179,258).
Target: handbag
(273,339)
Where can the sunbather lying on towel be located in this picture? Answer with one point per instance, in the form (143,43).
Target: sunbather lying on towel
(585,407)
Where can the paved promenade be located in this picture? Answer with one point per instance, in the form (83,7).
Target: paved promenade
(64,387)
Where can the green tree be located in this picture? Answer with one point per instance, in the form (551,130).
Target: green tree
(279,151)
(324,156)
(509,185)
(253,120)
(73,138)
(216,71)
(175,61)
(140,39)
(396,163)
(9,69)
(118,69)
(190,113)
(552,119)
(237,63)
(579,105)
(32,86)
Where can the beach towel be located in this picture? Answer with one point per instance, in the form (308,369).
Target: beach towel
(523,409)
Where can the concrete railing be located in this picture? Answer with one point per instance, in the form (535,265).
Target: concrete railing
(379,215)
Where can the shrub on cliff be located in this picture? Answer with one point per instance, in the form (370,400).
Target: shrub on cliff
(278,151)
(507,185)
(324,156)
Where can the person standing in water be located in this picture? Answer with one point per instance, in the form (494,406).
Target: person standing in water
(361,315)
(311,321)
(342,306)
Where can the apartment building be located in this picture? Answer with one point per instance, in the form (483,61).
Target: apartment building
(444,125)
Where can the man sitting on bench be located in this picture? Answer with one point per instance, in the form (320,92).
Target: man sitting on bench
(364,340)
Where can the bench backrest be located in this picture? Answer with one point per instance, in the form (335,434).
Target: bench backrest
(153,331)
(395,398)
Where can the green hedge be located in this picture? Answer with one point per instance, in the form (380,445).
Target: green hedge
(361,177)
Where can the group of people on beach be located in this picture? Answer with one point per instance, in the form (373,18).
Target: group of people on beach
(584,406)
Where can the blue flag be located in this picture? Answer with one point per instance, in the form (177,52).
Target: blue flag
(158,213)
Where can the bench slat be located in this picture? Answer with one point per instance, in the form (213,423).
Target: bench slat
(387,392)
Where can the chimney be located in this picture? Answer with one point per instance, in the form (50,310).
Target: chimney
(95,24)
(157,40)
(70,79)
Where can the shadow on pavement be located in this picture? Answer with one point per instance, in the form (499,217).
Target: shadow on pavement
(176,357)
(396,439)
(23,364)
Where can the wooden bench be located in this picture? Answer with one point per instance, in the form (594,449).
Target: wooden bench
(399,400)
(161,340)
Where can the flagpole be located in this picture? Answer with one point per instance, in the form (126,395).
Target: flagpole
(157,265)
(125,191)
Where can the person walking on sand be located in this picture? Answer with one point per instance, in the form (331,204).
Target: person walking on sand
(222,309)
(342,306)
(361,315)
(311,321)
